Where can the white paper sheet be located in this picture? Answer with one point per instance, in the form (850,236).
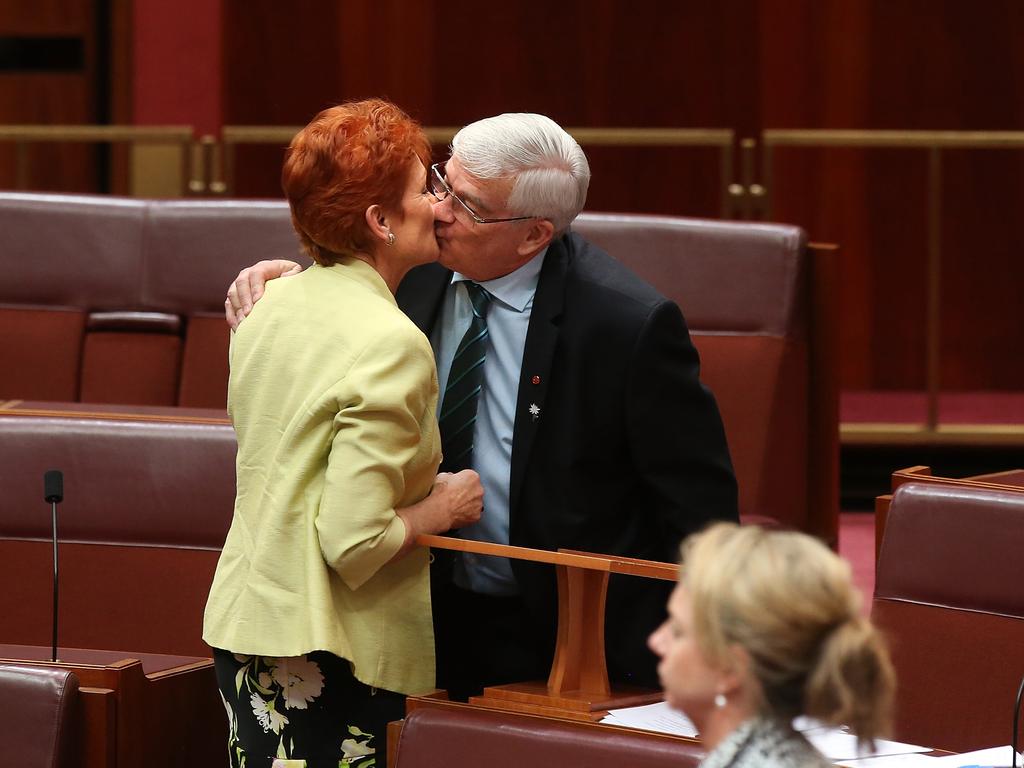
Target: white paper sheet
(993,756)
(658,717)
(912,760)
(836,744)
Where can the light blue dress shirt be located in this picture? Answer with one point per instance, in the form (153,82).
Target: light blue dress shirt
(508,318)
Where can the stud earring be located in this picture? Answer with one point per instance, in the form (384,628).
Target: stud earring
(720,700)
(391,238)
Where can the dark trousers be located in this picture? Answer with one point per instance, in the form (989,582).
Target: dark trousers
(485,640)
(303,708)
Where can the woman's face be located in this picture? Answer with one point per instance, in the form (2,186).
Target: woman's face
(689,680)
(413,228)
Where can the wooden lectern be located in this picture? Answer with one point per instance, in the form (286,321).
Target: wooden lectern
(578,686)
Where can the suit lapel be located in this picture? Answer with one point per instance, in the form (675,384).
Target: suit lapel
(541,338)
(420,294)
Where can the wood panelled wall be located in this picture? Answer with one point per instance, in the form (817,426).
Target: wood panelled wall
(742,64)
(34,91)
(748,65)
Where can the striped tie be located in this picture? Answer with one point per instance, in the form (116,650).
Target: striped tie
(462,392)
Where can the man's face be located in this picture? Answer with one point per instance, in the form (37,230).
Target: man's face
(479,251)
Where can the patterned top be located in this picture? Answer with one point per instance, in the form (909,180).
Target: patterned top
(764,743)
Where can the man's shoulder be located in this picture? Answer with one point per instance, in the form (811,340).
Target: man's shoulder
(594,273)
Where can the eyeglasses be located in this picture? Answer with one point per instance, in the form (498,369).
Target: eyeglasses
(438,186)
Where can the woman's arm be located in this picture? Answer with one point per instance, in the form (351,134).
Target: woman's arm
(380,487)
(454,501)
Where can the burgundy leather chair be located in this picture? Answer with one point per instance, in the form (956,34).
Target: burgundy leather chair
(761,307)
(442,738)
(40,716)
(949,594)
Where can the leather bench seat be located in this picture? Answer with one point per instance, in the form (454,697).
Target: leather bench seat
(121,300)
(146,508)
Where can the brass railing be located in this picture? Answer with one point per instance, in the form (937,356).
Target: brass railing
(22,136)
(932,142)
(223,181)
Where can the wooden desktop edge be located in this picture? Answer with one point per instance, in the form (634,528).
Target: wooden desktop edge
(12,408)
(570,558)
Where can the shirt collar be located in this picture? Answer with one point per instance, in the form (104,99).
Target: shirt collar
(516,289)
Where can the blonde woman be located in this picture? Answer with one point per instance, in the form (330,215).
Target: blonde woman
(765,626)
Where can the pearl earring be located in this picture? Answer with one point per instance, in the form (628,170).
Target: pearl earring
(720,700)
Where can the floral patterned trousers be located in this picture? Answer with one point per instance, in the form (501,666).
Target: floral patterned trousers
(302,711)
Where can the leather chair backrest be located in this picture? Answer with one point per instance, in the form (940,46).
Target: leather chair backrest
(193,251)
(437,738)
(121,300)
(40,716)
(743,289)
(948,595)
(65,256)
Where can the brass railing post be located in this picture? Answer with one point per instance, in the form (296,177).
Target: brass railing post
(726,204)
(20,165)
(933,317)
(752,192)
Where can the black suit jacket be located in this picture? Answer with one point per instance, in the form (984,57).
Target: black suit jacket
(627,454)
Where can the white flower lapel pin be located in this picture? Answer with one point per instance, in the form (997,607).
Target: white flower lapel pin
(534,411)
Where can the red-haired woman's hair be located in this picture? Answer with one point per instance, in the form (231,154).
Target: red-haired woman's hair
(348,158)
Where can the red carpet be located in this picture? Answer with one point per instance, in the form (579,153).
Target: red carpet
(857,546)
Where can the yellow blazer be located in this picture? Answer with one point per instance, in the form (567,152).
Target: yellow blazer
(333,395)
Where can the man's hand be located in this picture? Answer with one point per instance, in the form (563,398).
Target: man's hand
(248,287)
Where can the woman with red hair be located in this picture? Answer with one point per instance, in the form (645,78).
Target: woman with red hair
(319,613)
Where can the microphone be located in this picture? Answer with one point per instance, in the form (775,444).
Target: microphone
(53,493)
(53,486)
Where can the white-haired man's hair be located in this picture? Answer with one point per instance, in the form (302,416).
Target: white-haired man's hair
(549,170)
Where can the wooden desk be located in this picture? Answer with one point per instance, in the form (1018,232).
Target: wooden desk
(174,414)
(140,709)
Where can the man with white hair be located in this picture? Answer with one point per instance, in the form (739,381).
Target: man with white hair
(569,384)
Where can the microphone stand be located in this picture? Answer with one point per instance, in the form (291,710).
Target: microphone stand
(53,649)
(53,492)
(1016,721)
